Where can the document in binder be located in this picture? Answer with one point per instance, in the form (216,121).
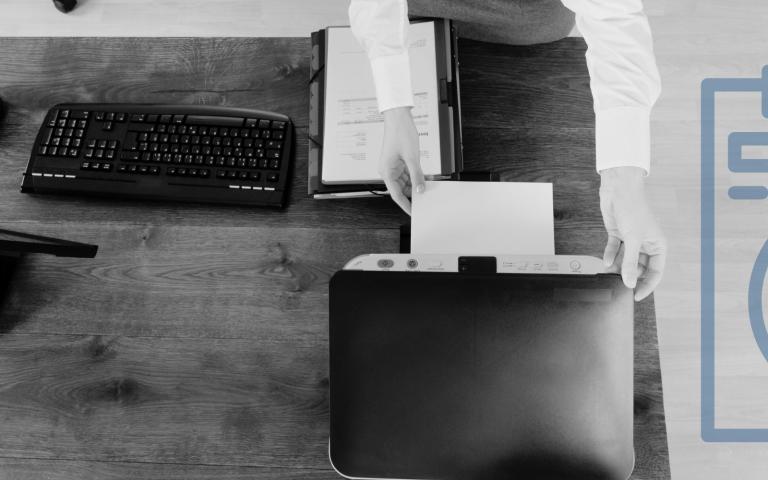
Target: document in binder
(353,126)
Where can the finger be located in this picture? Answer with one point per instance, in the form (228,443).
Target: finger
(629,271)
(611,250)
(653,274)
(415,173)
(396,192)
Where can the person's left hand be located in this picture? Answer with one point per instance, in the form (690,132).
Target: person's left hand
(633,229)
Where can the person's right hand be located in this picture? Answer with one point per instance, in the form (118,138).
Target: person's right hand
(399,164)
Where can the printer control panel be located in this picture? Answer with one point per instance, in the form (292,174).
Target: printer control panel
(533,264)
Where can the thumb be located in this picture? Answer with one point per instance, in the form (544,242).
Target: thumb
(629,272)
(415,172)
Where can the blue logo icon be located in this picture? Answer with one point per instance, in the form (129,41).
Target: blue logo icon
(737,141)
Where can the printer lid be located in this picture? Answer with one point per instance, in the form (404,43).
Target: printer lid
(511,368)
(15,243)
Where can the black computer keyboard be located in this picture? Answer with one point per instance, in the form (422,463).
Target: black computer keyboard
(163,152)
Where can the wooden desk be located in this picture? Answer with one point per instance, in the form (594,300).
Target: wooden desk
(195,344)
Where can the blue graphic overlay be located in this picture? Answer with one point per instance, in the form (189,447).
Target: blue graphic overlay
(736,163)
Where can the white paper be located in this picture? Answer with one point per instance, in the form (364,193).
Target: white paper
(353,126)
(483,218)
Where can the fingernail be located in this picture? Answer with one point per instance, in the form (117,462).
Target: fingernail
(420,188)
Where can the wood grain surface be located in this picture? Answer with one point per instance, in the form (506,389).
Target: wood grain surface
(195,344)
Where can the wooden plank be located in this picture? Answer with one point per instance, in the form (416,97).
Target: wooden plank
(215,401)
(234,282)
(35,469)
(512,125)
(651,452)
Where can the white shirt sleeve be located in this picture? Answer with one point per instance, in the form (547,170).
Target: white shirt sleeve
(624,78)
(381,27)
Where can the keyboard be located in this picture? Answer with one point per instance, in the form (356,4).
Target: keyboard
(191,153)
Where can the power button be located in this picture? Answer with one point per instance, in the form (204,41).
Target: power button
(412,263)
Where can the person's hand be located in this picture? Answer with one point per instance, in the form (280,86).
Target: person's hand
(632,229)
(399,164)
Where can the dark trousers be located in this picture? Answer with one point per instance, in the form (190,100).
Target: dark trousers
(514,22)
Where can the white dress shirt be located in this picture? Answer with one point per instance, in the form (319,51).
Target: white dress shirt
(624,79)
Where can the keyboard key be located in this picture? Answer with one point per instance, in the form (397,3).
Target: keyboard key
(153,118)
(170,171)
(47,136)
(274,164)
(214,120)
(143,169)
(138,117)
(100,116)
(64,114)
(129,156)
(166,118)
(255,176)
(108,126)
(154,170)
(85,166)
(122,168)
(43,150)
(276,125)
(120,117)
(178,119)
(133,168)
(263,124)
(221,174)
(110,117)
(106,167)
(141,127)
(273,177)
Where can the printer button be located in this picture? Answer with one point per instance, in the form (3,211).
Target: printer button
(385,263)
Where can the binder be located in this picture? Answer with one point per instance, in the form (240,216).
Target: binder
(449,113)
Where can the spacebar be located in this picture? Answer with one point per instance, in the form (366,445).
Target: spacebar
(214,121)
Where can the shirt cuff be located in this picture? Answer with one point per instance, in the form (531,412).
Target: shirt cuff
(623,138)
(392,77)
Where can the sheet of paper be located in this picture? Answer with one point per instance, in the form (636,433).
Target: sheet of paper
(483,218)
(353,126)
